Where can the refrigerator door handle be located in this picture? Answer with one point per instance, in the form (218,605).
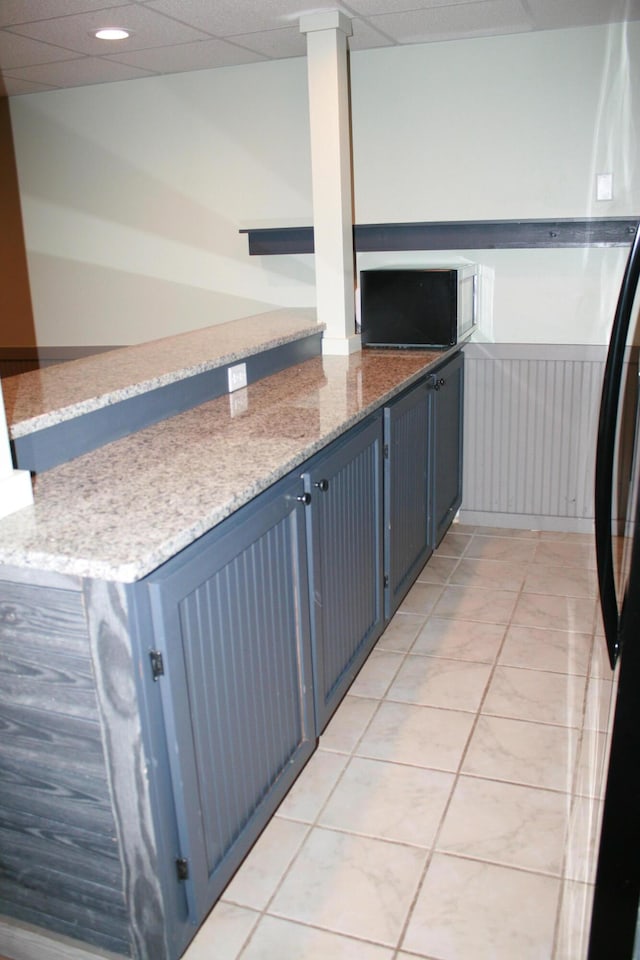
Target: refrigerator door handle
(606,447)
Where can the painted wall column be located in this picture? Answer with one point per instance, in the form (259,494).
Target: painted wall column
(15,485)
(331,177)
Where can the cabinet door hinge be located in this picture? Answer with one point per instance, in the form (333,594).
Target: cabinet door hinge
(386,579)
(157,664)
(385,451)
(182,868)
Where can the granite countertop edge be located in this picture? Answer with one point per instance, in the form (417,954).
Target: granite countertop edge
(141,560)
(61,414)
(134,570)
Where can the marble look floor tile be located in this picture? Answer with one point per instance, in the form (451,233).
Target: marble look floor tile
(600,703)
(376,675)
(401,632)
(557,651)
(438,569)
(600,665)
(496,574)
(502,548)
(572,938)
(310,791)
(575,614)
(422,736)
(512,532)
(536,695)
(223,934)
(476,603)
(469,909)
(260,874)
(567,537)
(390,801)
(277,939)
(420,598)
(506,823)
(459,640)
(357,886)
(593,760)
(566,552)
(348,724)
(458,527)
(564,581)
(435,682)
(454,544)
(581,854)
(529,753)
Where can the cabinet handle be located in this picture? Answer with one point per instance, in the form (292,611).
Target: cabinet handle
(322,485)
(304,498)
(437,383)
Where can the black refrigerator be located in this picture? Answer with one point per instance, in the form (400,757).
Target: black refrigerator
(614,923)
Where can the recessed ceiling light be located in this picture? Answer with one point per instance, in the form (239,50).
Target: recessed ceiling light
(112,33)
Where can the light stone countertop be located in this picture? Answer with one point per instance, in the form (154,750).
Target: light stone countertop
(122,510)
(64,391)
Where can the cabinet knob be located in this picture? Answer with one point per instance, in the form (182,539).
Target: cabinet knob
(322,485)
(438,382)
(304,498)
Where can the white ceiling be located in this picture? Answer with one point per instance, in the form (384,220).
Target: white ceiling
(49,44)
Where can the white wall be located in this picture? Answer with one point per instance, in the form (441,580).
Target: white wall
(512,127)
(133,193)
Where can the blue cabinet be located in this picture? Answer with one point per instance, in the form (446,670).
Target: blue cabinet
(229,622)
(422,474)
(446,386)
(345,542)
(408,540)
(248,639)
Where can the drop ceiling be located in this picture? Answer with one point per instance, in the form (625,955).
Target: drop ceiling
(50,44)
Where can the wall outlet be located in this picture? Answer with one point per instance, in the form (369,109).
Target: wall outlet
(237,376)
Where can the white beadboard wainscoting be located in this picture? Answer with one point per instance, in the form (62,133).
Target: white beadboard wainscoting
(531,418)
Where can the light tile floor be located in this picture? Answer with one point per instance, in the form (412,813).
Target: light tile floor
(451,809)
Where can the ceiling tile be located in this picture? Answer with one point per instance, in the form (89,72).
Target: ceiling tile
(57,31)
(365,37)
(23,11)
(483,18)
(21,51)
(73,73)
(549,14)
(203,55)
(148,29)
(282,43)
(227,18)
(369,8)
(11,87)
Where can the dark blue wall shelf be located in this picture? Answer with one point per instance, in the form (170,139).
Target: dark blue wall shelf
(456,235)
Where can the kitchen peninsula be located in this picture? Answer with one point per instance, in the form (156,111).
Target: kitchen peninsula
(189,598)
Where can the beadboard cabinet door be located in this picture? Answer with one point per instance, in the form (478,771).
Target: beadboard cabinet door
(446,387)
(408,517)
(344,530)
(231,648)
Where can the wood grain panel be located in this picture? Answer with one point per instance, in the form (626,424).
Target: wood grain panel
(62,847)
(127,767)
(59,865)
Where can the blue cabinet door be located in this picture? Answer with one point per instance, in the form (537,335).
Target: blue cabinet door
(447,385)
(344,529)
(408,518)
(230,618)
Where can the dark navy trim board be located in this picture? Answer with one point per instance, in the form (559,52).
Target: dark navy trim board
(63,441)
(455,235)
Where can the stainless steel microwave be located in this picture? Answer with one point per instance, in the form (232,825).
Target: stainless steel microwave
(428,308)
